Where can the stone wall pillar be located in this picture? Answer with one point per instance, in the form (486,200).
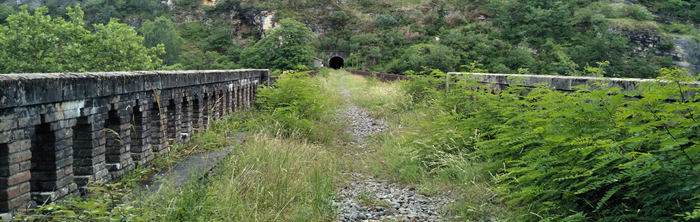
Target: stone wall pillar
(186,118)
(173,116)
(246,95)
(89,149)
(197,114)
(239,95)
(206,109)
(141,135)
(118,134)
(15,156)
(228,101)
(220,98)
(158,130)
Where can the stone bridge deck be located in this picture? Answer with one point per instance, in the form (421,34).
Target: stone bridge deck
(60,131)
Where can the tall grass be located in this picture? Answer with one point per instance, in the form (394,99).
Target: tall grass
(382,99)
(267,179)
(400,156)
(285,171)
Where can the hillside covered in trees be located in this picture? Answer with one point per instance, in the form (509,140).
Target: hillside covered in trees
(627,38)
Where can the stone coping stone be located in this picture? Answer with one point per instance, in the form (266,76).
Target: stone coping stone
(566,83)
(31,89)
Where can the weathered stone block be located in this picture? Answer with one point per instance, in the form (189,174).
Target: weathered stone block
(15,179)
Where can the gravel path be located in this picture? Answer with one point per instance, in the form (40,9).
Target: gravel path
(365,198)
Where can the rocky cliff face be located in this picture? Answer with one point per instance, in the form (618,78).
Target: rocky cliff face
(642,42)
(685,53)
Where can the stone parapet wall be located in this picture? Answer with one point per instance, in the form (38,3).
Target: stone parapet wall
(60,131)
(561,83)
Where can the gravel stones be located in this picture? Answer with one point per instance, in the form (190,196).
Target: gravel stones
(365,198)
(362,125)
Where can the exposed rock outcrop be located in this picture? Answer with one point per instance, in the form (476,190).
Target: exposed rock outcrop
(685,53)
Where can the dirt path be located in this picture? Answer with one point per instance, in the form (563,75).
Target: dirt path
(365,198)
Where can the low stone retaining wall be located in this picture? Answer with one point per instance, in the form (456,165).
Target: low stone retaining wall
(58,132)
(561,83)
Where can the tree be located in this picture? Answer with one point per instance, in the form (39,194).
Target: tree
(200,60)
(283,48)
(423,55)
(219,39)
(533,21)
(117,47)
(4,13)
(385,21)
(38,43)
(162,31)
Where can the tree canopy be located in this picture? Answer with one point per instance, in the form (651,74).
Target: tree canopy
(284,48)
(162,31)
(38,43)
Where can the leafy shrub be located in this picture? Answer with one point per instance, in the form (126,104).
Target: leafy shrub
(162,31)
(637,12)
(592,154)
(423,55)
(294,102)
(39,43)
(193,31)
(101,11)
(199,60)
(103,204)
(385,21)
(271,53)
(340,19)
(4,13)
(187,3)
(678,28)
(219,39)
(667,44)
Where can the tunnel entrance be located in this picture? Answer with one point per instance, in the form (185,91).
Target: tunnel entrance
(336,63)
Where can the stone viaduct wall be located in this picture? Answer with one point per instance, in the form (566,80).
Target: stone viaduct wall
(60,131)
(561,83)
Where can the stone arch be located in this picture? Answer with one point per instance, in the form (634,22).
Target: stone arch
(335,55)
(336,62)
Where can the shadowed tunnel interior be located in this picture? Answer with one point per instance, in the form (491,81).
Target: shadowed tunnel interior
(336,63)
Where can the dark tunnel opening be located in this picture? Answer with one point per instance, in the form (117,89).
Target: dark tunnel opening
(336,63)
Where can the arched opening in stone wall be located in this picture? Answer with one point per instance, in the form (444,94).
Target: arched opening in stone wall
(140,136)
(43,170)
(83,144)
(157,130)
(114,141)
(336,63)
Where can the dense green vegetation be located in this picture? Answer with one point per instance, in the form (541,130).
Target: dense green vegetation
(284,48)
(162,31)
(592,155)
(544,37)
(538,37)
(589,155)
(38,43)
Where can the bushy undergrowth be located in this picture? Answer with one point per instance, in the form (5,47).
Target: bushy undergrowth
(594,154)
(295,104)
(399,149)
(268,179)
(281,172)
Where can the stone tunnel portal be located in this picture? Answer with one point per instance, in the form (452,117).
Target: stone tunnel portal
(336,63)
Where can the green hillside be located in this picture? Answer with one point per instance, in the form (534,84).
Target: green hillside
(537,37)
